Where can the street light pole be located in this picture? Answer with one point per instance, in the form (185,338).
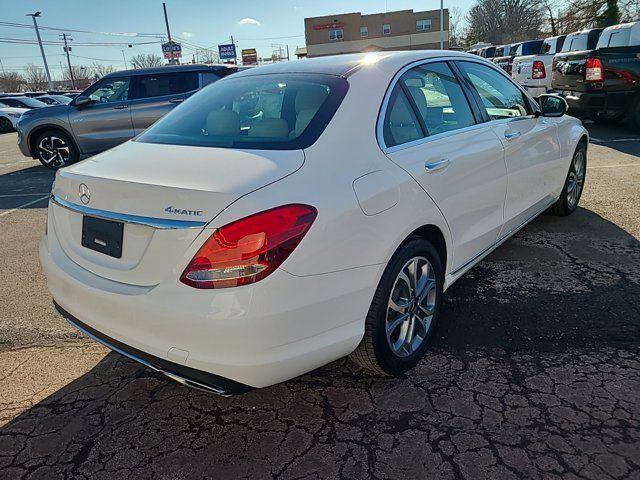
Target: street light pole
(441,25)
(166,21)
(44,59)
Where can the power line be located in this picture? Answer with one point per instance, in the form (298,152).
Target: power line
(122,34)
(80,44)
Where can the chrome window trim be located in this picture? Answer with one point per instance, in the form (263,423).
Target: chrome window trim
(387,96)
(160,223)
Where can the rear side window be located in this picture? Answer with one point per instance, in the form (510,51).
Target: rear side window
(274,112)
(161,84)
(400,122)
(500,96)
(438,98)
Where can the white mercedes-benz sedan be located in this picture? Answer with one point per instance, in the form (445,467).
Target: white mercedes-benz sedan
(293,214)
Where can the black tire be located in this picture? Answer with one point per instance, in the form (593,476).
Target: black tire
(55,149)
(375,351)
(5,125)
(567,204)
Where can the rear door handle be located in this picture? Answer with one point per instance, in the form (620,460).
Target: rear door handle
(511,134)
(120,107)
(176,100)
(432,167)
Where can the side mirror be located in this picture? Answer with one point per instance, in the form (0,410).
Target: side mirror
(82,101)
(552,106)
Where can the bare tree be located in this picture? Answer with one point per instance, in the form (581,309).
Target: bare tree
(207,55)
(146,60)
(99,70)
(11,81)
(455,26)
(35,77)
(504,21)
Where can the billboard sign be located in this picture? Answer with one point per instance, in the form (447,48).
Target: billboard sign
(249,56)
(167,48)
(227,52)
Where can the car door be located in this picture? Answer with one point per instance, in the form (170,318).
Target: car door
(106,121)
(431,131)
(531,144)
(155,95)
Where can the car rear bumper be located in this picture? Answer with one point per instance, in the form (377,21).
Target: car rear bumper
(228,339)
(594,103)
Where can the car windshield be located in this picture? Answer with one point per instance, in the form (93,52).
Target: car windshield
(275,112)
(32,102)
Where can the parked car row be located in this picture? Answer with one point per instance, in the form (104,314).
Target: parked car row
(597,70)
(13,105)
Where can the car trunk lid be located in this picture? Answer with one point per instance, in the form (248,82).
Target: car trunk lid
(163,194)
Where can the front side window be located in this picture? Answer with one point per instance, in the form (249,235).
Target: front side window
(500,97)
(275,112)
(109,90)
(422,25)
(400,122)
(386,29)
(364,31)
(158,85)
(336,34)
(438,98)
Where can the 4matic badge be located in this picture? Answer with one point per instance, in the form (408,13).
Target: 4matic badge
(182,211)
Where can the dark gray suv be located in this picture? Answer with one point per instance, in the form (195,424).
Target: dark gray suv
(114,109)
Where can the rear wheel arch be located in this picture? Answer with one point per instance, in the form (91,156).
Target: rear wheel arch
(434,235)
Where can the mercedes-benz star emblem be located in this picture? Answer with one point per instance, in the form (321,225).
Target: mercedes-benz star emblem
(85,194)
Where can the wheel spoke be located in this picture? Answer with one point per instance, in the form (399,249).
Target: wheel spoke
(392,327)
(398,306)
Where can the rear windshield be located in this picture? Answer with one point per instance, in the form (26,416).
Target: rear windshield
(615,38)
(272,112)
(575,43)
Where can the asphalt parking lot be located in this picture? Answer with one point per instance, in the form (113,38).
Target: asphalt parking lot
(535,372)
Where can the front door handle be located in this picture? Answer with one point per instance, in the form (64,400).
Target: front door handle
(511,134)
(176,100)
(432,167)
(120,107)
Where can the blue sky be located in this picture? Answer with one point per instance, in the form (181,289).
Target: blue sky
(253,23)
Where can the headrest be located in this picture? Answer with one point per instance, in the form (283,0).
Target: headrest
(223,123)
(270,128)
(310,97)
(414,82)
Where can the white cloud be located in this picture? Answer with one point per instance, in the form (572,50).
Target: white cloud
(249,21)
(187,34)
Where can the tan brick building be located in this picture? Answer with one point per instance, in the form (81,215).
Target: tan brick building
(354,32)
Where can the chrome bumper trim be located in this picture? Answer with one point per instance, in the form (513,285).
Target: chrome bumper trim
(161,223)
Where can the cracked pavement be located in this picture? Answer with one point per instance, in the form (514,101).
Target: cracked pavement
(535,371)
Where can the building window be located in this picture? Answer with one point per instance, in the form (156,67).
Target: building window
(386,29)
(336,34)
(364,31)
(422,25)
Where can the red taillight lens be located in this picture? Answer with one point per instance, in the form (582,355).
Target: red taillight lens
(594,71)
(538,71)
(249,249)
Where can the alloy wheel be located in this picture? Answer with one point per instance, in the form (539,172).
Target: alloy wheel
(411,307)
(576,180)
(53,151)
(5,125)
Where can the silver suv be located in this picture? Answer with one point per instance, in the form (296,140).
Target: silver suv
(111,111)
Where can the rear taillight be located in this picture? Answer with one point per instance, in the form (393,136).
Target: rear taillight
(538,71)
(249,249)
(594,71)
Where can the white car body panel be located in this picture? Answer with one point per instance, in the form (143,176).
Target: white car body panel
(311,310)
(12,114)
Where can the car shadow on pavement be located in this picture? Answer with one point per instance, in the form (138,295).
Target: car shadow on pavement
(20,187)
(535,372)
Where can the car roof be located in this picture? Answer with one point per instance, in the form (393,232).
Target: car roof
(170,68)
(347,64)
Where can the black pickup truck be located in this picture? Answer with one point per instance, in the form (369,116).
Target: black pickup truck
(600,76)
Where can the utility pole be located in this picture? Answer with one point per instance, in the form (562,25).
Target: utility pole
(235,60)
(2,66)
(66,50)
(44,59)
(125,59)
(288,59)
(441,25)
(166,21)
